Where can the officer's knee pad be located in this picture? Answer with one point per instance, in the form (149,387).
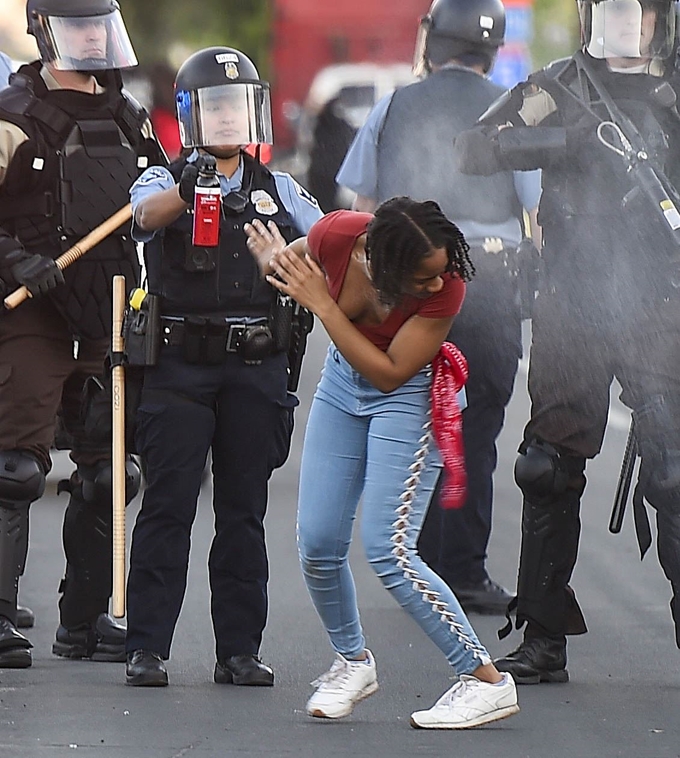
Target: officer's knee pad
(22,479)
(543,474)
(97,481)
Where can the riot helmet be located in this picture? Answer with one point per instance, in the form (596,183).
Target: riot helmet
(221,100)
(628,28)
(80,35)
(459,29)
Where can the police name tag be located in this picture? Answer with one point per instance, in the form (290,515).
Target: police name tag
(264,203)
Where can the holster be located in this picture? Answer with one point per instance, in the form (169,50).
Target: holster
(142,333)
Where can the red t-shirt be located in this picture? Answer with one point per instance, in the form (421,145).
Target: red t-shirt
(331,240)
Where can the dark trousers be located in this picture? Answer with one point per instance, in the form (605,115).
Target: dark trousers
(39,377)
(488,332)
(573,364)
(244,414)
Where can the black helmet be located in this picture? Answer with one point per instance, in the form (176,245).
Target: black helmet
(600,20)
(82,35)
(221,100)
(458,29)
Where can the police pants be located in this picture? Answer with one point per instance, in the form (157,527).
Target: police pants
(572,366)
(488,332)
(244,414)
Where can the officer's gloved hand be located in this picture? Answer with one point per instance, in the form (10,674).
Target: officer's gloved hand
(187,181)
(38,273)
(476,151)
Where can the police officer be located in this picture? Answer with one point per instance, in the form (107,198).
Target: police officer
(220,382)
(405,149)
(602,124)
(71,143)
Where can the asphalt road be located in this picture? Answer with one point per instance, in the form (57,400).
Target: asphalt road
(623,698)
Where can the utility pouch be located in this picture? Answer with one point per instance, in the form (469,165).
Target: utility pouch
(142,332)
(281,322)
(204,341)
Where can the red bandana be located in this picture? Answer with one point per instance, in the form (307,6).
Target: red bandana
(450,374)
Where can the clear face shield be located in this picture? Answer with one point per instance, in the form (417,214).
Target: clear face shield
(228,114)
(421,65)
(85,43)
(631,29)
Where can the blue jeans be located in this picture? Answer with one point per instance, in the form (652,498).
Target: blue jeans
(363,443)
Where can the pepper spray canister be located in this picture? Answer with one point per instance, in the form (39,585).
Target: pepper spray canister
(207,205)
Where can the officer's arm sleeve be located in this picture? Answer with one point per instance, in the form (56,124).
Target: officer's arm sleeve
(303,207)
(154,179)
(359,169)
(514,134)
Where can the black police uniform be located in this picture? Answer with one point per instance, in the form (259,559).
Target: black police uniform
(414,159)
(608,307)
(209,390)
(82,153)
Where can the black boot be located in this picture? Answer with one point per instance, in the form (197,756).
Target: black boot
(145,668)
(15,650)
(537,659)
(101,640)
(487,598)
(25,617)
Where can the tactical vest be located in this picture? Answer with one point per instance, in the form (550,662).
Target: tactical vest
(82,154)
(232,284)
(573,188)
(415,148)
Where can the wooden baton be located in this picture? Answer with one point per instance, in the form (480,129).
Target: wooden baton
(80,248)
(118,447)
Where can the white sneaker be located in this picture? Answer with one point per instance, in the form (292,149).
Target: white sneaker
(470,702)
(342,687)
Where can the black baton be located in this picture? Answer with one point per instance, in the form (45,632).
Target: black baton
(625,479)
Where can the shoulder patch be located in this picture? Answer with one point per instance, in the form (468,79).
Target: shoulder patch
(154,174)
(301,192)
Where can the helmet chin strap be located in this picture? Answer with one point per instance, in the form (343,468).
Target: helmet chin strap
(217,153)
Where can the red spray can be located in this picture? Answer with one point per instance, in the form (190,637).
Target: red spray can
(207,205)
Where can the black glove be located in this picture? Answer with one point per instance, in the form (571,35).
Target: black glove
(187,183)
(38,273)
(476,151)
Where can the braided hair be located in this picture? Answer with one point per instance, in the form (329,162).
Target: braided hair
(402,233)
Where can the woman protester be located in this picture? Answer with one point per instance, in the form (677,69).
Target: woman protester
(386,288)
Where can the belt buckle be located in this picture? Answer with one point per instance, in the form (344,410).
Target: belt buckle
(234,336)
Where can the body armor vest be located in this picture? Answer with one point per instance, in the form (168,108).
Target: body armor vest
(415,155)
(226,282)
(574,189)
(82,154)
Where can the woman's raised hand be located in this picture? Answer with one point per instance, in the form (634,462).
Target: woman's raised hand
(302,279)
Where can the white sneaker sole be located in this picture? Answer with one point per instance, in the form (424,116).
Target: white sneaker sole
(487,718)
(318,713)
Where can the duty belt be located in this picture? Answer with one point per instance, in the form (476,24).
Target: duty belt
(174,328)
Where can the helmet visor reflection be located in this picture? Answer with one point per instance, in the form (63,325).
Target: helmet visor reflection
(229,114)
(85,43)
(624,29)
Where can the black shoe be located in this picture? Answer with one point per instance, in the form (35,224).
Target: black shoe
(25,617)
(15,649)
(537,659)
(244,669)
(145,669)
(102,640)
(487,597)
